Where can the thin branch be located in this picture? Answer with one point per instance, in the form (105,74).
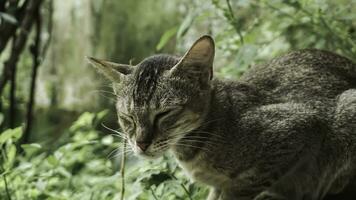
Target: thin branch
(35,51)
(7,188)
(12,96)
(49,30)
(19,42)
(234,21)
(123,159)
(153,194)
(7,30)
(4,177)
(184,188)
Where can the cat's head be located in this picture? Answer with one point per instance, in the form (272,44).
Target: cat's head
(163,97)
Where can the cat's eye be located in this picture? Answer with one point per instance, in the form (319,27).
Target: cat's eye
(162,114)
(126,119)
(166,113)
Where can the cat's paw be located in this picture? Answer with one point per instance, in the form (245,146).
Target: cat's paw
(267,195)
(214,194)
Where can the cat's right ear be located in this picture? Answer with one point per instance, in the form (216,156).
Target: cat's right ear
(113,71)
(197,61)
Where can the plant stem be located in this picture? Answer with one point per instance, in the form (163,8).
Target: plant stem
(123,158)
(234,21)
(153,194)
(6,188)
(4,176)
(184,188)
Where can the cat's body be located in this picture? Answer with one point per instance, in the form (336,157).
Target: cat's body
(285,130)
(279,116)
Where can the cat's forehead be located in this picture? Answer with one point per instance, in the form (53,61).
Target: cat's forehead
(147,87)
(147,78)
(164,96)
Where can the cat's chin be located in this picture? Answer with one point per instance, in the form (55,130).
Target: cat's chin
(148,155)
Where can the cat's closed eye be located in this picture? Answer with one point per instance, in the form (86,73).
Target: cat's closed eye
(166,113)
(127,120)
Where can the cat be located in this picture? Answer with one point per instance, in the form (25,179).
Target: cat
(285,130)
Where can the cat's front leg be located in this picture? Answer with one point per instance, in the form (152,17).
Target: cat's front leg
(214,194)
(235,195)
(267,195)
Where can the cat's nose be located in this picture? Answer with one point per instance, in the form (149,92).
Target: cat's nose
(143,145)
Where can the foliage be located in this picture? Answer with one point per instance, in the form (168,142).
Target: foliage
(80,169)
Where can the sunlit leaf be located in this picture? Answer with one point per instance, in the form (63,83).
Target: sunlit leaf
(166,37)
(31,148)
(52,160)
(1,118)
(186,24)
(11,153)
(8,18)
(14,134)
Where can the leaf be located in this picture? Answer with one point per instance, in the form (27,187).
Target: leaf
(84,120)
(107,140)
(100,116)
(1,118)
(31,148)
(14,134)
(186,24)
(8,18)
(166,37)
(11,153)
(156,179)
(52,160)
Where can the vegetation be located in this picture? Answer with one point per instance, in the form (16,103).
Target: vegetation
(55,139)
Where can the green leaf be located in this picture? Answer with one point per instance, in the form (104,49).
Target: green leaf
(166,37)
(11,153)
(107,140)
(186,24)
(31,148)
(52,160)
(14,134)
(100,116)
(8,18)
(1,118)
(84,120)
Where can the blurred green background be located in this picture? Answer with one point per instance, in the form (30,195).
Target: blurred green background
(56,113)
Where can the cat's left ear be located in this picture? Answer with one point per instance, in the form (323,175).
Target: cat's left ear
(113,71)
(198,60)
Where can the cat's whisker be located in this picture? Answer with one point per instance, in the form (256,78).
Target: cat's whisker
(127,153)
(117,152)
(191,146)
(203,137)
(170,142)
(103,93)
(204,132)
(115,131)
(112,152)
(119,136)
(208,143)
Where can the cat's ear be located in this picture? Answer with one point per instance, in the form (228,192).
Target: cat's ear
(113,71)
(198,60)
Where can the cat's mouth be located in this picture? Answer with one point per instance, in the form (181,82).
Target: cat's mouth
(149,153)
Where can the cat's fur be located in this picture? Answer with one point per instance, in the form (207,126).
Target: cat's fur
(285,130)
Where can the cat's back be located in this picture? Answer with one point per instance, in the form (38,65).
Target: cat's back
(304,75)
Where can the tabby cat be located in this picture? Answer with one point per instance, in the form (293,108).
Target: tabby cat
(285,130)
